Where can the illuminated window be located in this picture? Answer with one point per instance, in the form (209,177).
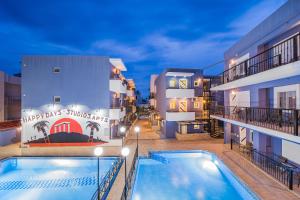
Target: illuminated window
(183,83)
(183,106)
(172,83)
(172,104)
(196,104)
(196,126)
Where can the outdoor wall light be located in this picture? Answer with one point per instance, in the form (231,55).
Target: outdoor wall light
(233,92)
(232,61)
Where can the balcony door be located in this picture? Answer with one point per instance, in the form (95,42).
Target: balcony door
(183,83)
(287,100)
(183,129)
(183,106)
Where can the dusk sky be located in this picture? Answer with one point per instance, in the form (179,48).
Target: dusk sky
(148,35)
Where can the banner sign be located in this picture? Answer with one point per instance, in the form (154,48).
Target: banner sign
(64,126)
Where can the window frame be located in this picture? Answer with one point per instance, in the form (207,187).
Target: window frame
(54,99)
(56,70)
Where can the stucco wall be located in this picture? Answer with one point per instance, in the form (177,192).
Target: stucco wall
(82,80)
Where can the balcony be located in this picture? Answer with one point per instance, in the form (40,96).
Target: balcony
(180,116)
(272,121)
(180,93)
(130,93)
(117,86)
(278,62)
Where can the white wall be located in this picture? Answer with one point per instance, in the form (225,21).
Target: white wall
(240,98)
(117,86)
(291,151)
(287,88)
(180,93)
(180,116)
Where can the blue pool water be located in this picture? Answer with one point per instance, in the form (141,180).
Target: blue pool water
(51,178)
(186,175)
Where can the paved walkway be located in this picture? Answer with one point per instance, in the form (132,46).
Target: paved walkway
(146,132)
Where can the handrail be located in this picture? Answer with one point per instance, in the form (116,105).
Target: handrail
(280,119)
(280,54)
(280,171)
(108,180)
(130,178)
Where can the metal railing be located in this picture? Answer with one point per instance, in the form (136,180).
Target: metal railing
(284,120)
(108,180)
(278,170)
(280,54)
(130,178)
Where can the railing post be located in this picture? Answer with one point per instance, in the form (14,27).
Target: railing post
(296,122)
(291,179)
(246,67)
(246,117)
(295,48)
(231,143)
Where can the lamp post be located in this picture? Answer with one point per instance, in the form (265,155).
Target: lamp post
(125,152)
(137,132)
(98,152)
(122,131)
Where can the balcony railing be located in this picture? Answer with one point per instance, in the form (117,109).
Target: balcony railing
(280,54)
(283,172)
(284,120)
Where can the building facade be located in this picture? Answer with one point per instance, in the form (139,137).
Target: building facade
(10,97)
(182,99)
(152,100)
(72,99)
(261,85)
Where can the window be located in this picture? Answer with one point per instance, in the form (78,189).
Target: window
(287,100)
(183,83)
(172,83)
(196,104)
(56,99)
(172,104)
(56,70)
(197,82)
(183,106)
(196,126)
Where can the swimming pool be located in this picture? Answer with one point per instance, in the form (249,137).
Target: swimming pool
(33,178)
(186,175)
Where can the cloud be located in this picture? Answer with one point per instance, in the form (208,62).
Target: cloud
(254,16)
(149,36)
(127,52)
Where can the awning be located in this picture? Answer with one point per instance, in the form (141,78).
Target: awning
(185,74)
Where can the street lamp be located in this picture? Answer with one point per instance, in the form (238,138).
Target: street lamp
(123,130)
(125,152)
(98,152)
(137,132)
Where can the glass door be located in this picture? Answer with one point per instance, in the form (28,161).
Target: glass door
(183,84)
(183,106)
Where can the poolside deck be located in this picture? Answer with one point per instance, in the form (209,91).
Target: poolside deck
(261,183)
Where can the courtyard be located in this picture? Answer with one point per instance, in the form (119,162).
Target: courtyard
(261,183)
